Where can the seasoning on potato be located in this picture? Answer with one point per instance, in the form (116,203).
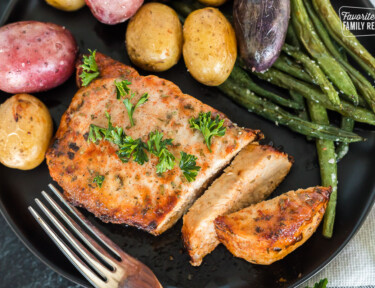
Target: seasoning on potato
(25,131)
(154,37)
(35,56)
(66,5)
(213,2)
(210,47)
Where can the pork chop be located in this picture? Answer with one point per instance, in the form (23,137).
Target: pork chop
(268,231)
(132,193)
(254,173)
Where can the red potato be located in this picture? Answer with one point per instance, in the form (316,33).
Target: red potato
(113,11)
(35,56)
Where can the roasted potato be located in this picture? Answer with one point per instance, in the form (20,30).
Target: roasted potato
(213,2)
(113,11)
(66,5)
(210,48)
(35,56)
(154,37)
(25,131)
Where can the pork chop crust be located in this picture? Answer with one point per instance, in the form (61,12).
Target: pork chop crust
(131,193)
(268,231)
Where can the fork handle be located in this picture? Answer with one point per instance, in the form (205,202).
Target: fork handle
(140,276)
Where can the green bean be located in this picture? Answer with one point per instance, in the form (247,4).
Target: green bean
(301,100)
(311,41)
(315,72)
(301,113)
(276,114)
(248,83)
(300,74)
(287,65)
(342,148)
(335,27)
(291,37)
(310,92)
(327,164)
(361,83)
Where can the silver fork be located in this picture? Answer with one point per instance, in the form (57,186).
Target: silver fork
(125,271)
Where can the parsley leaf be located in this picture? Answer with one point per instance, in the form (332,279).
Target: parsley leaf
(135,148)
(158,147)
(166,161)
(96,133)
(208,126)
(321,284)
(122,90)
(189,166)
(128,147)
(113,134)
(99,180)
(89,68)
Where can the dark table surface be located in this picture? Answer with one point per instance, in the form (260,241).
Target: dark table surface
(20,268)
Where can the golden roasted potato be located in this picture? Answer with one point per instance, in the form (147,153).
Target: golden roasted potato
(213,2)
(154,37)
(210,47)
(25,131)
(66,5)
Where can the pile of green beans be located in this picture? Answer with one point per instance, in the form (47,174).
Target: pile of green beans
(314,68)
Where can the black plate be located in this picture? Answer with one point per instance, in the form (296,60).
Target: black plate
(164,254)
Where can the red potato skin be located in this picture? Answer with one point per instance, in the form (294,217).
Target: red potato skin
(113,11)
(35,56)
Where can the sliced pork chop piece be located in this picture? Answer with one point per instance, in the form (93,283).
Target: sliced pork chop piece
(131,193)
(254,173)
(268,231)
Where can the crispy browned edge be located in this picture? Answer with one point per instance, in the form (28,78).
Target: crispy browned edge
(231,241)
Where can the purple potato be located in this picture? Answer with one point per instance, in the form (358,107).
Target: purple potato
(261,28)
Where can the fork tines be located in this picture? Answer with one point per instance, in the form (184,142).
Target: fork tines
(96,264)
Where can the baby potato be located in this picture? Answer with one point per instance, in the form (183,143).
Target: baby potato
(210,47)
(35,56)
(25,131)
(154,37)
(213,2)
(66,5)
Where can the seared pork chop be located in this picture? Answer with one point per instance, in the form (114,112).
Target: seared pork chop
(131,193)
(268,231)
(254,173)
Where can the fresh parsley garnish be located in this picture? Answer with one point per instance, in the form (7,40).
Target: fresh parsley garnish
(321,284)
(208,126)
(113,134)
(96,133)
(99,180)
(128,147)
(132,148)
(131,108)
(89,68)
(123,90)
(189,166)
(157,146)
